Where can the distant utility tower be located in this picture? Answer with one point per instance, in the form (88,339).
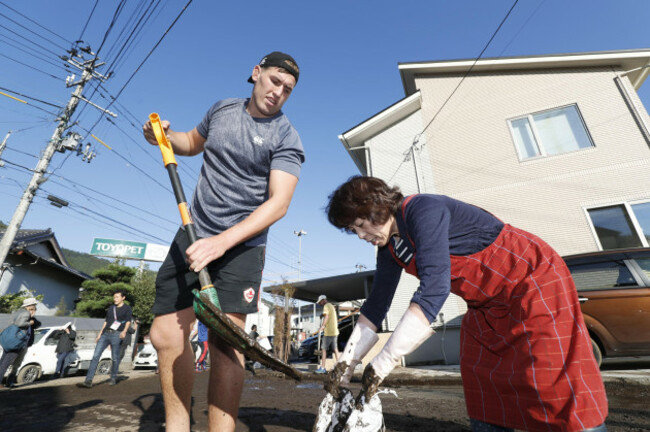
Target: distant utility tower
(58,142)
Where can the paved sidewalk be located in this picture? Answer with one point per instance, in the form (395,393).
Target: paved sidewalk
(450,375)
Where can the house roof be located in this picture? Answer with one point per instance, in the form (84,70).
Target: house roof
(29,237)
(354,138)
(636,63)
(338,288)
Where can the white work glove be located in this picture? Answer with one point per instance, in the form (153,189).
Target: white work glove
(362,339)
(410,333)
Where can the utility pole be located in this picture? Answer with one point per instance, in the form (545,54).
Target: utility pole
(2,148)
(55,144)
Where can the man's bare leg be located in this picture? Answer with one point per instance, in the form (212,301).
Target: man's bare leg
(323,357)
(170,336)
(226,381)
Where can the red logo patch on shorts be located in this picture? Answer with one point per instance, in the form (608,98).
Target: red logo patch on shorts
(249,295)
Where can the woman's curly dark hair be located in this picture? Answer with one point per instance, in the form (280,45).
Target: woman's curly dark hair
(364,198)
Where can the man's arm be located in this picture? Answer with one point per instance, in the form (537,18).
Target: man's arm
(184,143)
(100,332)
(322,327)
(126,329)
(281,188)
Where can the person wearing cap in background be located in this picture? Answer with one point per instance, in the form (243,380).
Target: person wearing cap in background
(330,329)
(24,319)
(64,347)
(252,157)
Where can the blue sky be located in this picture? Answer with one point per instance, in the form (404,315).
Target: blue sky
(348,54)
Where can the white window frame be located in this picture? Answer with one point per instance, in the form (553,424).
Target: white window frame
(628,208)
(538,141)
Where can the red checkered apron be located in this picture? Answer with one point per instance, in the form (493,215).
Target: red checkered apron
(526,358)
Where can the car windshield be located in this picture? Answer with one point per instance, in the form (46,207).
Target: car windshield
(39,333)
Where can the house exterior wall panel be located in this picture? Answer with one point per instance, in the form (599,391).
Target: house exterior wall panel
(387,152)
(474,159)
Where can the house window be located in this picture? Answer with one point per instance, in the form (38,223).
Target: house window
(622,226)
(550,132)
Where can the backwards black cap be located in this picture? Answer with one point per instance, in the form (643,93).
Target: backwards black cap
(282,60)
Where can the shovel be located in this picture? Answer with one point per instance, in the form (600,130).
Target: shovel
(206,302)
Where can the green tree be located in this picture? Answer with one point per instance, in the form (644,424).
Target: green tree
(12,302)
(97,294)
(61,308)
(144,293)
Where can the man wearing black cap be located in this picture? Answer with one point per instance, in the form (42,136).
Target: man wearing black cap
(252,157)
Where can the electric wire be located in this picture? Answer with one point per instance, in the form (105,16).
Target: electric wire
(417,137)
(104,216)
(34,22)
(83,30)
(31,98)
(34,55)
(24,45)
(95,191)
(116,14)
(146,58)
(32,32)
(76,185)
(124,41)
(30,67)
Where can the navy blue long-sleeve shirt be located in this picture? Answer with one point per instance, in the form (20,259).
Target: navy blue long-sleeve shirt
(436,226)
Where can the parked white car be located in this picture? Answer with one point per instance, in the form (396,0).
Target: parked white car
(146,356)
(40,359)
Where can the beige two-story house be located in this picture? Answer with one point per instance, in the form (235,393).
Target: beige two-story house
(558,145)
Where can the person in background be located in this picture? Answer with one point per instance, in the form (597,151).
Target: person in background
(330,329)
(23,318)
(202,339)
(126,342)
(64,347)
(253,333)
(526,359)
(115,328)
(248,363)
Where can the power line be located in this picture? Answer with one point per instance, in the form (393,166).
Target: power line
(81,36)
(75,184)
(146,58)
(47,50)
(32,98)
(34,33)
(31,20)
(104,216)
(30,67)
(416,139)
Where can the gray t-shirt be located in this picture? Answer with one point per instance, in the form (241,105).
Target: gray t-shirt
(240,152)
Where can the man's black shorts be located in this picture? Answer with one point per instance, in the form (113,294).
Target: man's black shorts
(237,275)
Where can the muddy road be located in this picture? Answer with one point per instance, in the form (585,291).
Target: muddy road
(270,403)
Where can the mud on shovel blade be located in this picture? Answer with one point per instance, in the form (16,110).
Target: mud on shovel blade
(206,302)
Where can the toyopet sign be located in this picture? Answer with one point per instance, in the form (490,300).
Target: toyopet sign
(128,250)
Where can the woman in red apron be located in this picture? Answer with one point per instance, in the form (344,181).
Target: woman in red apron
(526,358)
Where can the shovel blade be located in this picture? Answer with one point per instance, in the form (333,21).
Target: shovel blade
(235,336)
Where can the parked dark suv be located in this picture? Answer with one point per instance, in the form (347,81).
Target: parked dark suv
(309,350)
(614,291)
